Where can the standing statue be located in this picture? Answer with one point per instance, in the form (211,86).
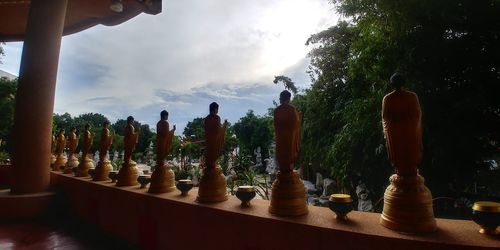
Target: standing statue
(53,145)
(127,176)
(212,182)
(86,163)
(72,159)
(407,194)
(60,145)
(288,192)
(104,166)
(163,178)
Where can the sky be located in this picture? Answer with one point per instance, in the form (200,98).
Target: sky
(193,53)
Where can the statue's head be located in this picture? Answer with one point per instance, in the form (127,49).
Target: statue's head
(61,131)
(87,126)
(73,129)
(164,115)
(397,80)
(214,108)
(285,96)
(130,119)
(105,124)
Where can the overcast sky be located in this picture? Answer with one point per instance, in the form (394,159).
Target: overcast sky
(193,53)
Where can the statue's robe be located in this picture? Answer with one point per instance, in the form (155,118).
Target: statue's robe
(105,143)
(163,141)
(287,129)
(401,119)
(214,139)
(72,143)
(60,144)
(130,140)
(87,143)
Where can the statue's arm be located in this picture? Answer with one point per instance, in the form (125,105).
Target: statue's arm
(384,117)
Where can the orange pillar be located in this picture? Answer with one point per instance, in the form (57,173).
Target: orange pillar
(35,97)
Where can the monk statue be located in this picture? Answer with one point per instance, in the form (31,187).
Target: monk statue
(212,183)
(288,192)
(60,145)
(53,145)
(86,163)
(72,159)
(163,178)
(287,122)
(127,176)
(407,194)
(130,140)
(104,165)
(214,136)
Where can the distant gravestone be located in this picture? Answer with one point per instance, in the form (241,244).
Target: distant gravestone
(319,181)
(329,186)
(309,186)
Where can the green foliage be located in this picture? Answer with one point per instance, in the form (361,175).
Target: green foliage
(289,84)
(254,131)
(448,52)
(7,102)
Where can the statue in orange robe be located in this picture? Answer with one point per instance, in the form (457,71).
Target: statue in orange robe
(130,140)
(401,119)
(106,141)
(60,142)
(72,143)
(214,136)
(87,141)
(164,138)
(287,125)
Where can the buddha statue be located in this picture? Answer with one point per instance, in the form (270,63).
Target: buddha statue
(72,159)
(127,176)
(104,165)
(53,145)
(86,163)
(288,192)
(407,194)
(60,145)
(163,178)
(212,182)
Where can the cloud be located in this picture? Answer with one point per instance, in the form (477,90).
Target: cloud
(193,53)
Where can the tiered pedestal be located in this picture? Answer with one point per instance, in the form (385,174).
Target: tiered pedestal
(83,167)
(102,171)
(162,180)
(212,186)
(128,174)
(72,163)
(288,195)
(408,205)
(59,163)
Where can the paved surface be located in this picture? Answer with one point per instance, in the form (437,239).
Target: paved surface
(41,236)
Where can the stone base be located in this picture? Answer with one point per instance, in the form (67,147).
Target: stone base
(72,163)
(162,180)
(408,206)
(102,171)
(60,162)
(212,186)
(83,168)
(24,206)
(128,174)
(288,195)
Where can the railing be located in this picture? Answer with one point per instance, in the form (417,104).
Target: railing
(171,221)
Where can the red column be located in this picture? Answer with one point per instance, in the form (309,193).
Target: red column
(35,97)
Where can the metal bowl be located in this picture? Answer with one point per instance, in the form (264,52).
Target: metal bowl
(341,205)
(487,215)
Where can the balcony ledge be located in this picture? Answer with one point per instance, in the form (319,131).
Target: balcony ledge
(171,221)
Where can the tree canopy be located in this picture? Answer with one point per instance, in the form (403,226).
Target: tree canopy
(449,54)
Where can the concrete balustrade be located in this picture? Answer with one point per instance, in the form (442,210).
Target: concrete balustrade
(171,221)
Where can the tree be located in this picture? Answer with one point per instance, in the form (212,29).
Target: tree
(7,103)
(447,49)
(254,131)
